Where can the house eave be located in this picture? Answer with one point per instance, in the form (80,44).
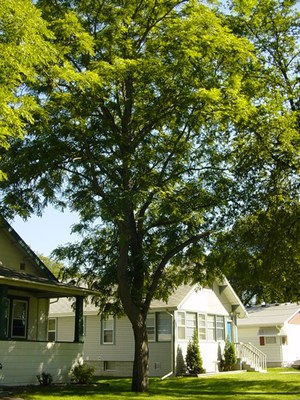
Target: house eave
(46,290)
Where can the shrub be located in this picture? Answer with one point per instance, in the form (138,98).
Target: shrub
(45,379)
(82,373)
(230,358)
(193,357)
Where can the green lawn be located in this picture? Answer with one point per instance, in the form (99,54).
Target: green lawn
(277,384)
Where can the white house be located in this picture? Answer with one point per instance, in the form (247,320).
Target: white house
(275,330)
(109,344)
(26,288)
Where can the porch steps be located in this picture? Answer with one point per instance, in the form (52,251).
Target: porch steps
(251,358)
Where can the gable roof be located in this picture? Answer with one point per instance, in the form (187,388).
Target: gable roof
(45,284)
(270,314)
(20,243)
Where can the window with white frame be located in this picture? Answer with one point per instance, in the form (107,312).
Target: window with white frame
(220,327)
(108,330)
(19,310)
(159,327)
(150,324)
(164,327)
(181,325)
(270,339)
(52,329)
(191,325)
(202,326)
(211,327)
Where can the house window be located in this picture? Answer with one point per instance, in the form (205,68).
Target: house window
(164,327)
(191,325)
(263,340)
(150,324)
(159,327)
(211,327)
(187,323)
(202,326)
(181,325)
(19,318)
(109,365)
(270,339)
(108,330)
(220,327)
(51,329)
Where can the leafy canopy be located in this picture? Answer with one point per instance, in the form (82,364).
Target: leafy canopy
(260,255)
(25,53)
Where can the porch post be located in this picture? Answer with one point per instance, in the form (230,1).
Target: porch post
(3,312)
(78,335)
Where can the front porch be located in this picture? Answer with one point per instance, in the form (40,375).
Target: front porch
(22,361)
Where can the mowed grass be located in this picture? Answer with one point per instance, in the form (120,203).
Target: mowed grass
(277,384)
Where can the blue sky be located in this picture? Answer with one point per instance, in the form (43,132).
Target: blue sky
(44,234)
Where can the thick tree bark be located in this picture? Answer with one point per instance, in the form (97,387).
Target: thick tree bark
(140,375)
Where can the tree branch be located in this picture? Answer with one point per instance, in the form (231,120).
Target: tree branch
(160,269)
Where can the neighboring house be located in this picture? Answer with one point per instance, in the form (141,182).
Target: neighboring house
(275,330)
(26,289)
(109,343)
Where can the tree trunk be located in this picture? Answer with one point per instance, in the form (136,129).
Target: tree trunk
(140,375)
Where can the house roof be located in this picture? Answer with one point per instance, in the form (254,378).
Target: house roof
(270,314)
(174,300)
(42,287)
(19,242)
(44,284)
(236,304)
(64,306)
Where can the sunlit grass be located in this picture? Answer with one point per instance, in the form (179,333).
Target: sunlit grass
(277,384)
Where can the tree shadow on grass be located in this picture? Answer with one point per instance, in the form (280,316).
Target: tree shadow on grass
(245,386)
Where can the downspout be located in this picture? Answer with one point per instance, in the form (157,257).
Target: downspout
(172,349)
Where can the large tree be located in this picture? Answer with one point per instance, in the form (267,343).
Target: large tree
(25,54)
(136,136)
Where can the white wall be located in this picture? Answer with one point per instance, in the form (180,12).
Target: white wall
(22,361)
(205,301)
(291,351)
(272,351)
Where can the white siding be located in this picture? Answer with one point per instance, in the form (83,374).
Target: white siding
(291,350)
(22,361)
(123,349)
(65,327)
(272,351)
(160,358)
(205,301)
(163,356)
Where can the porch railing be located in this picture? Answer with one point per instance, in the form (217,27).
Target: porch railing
(251,356)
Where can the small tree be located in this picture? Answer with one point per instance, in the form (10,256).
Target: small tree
(193,357)
(230,358)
